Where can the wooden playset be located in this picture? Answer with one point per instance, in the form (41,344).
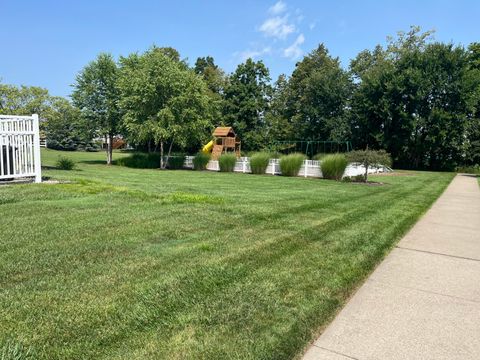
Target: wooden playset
(224,141)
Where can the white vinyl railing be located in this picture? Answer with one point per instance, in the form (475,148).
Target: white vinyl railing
(19,147)
(310,168)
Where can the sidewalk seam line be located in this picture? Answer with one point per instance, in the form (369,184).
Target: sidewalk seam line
(437,253)
(424,291)
(335,352)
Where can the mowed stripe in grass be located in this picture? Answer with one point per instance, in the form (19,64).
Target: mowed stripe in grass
(127,263)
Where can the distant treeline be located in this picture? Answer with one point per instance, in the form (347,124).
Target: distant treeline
(414,97)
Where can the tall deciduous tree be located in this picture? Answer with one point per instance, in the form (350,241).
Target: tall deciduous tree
(319,91)
(413,98)
(212,74)
(279,125)
(23,100)
(246,100)
(472,155)
(60,122)
(164,101)
(96,95)
(216,81)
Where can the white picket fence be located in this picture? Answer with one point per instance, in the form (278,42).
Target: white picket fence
(310,168)
(19,147)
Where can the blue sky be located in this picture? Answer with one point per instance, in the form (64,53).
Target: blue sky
(45,43)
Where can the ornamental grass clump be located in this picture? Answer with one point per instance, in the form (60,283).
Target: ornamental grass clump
(259,162)
(333,166)
(227,162)
(290,164)
(200,161)
(65,163)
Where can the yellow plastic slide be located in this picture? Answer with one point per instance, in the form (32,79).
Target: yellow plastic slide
(208,147)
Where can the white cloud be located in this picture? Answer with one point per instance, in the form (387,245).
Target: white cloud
(282,23)
(277,27)
(278,8)
(312,25)
(299,15)
(249,53)
(294,51)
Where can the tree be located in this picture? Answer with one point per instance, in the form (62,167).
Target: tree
(472,152)
(60,122)
(170,52)
(319,91)
(23,100)
(370,158)
(212,74)
(163,101)
(216,81)
(279,124)
(65,128)
(96,95)
(203,63)
(246,101)
(413,98)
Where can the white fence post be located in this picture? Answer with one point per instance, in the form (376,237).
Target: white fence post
(36,149)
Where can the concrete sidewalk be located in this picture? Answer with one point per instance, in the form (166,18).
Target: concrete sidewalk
(423,301)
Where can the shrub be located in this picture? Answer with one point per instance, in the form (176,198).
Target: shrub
(259,162)
(176,162)
(355,179)
(475,169)
(200,161)
(140,161)
(290,164)
(65,163)
(333,166)
(92,148)
(370,158)
(227,162)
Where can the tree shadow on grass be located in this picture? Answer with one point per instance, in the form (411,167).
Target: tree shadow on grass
(48,167)
(470,175)
(94,162)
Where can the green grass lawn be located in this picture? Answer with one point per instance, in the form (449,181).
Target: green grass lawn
(125,263)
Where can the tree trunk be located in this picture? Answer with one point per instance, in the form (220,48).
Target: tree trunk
(149,146)
(366,165)
(109,149)
(169,152)
(161,154)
